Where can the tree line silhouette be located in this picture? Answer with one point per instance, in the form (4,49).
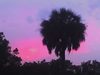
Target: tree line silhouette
(64,30)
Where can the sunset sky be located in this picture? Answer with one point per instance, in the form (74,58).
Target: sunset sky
(20,21)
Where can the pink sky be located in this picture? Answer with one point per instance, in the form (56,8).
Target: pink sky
(20,21)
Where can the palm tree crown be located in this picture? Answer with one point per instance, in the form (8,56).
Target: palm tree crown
(64,30)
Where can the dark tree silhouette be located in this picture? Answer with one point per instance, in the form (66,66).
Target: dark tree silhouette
(4,49)
(7,56)
(13,59)
(63,30)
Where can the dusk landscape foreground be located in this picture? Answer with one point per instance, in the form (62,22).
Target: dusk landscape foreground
(49,37)
(11,64)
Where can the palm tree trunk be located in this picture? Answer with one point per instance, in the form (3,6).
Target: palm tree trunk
(62,55)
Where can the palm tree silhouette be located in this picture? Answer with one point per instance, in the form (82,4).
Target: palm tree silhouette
(63,30)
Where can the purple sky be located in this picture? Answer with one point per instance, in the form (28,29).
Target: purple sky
(20,20)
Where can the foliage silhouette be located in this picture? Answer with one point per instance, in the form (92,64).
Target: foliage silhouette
(54,68)
(11,64)
(64,29)
(7,57)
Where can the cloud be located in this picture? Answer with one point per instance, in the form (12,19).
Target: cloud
(30,19)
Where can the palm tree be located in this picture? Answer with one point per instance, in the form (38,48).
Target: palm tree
(64,30)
